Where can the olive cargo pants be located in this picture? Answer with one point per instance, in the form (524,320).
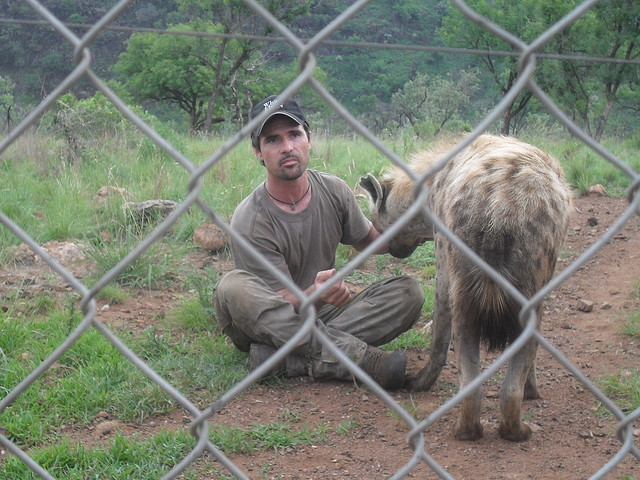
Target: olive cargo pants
(250,312)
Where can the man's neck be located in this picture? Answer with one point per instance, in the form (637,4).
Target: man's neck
(289,195)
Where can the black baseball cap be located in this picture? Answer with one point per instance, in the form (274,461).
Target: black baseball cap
(290,108)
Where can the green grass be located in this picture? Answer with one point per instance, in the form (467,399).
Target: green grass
(623,387)
(585,168)
(121,458)
(142,459)
(631,326)
(93,376)
(156,267)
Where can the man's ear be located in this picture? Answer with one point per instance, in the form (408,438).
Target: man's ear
(258,154)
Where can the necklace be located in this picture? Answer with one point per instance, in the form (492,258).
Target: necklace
(292,204)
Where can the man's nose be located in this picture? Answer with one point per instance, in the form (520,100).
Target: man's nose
(287,145)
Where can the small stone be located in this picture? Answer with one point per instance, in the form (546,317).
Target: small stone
(210,237)
(149,209)
(596,191)
(107,192)
(585,305)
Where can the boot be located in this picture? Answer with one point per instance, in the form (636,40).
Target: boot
(386,368)
(291,366)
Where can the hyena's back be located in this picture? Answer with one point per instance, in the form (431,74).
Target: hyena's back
(509,202)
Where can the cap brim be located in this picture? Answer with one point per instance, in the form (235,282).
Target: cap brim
(258,131)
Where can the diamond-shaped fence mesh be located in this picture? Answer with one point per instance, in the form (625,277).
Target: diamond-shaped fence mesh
(418,428)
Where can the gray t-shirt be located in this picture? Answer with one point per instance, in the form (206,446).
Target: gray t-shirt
(299,244)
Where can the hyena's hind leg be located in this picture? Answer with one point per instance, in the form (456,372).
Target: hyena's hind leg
(512,392)
(531,391)
(467,347)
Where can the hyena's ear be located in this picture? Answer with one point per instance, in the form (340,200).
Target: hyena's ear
(374,189)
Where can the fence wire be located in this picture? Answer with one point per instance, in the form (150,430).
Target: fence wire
(527,53)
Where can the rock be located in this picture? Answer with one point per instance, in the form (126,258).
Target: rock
(596,191)
(585,305)
(23,255)
(150,209)
(105,236)
(592,221)
(210,237)
(65,252)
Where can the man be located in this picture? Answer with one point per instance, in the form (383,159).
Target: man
(296,219)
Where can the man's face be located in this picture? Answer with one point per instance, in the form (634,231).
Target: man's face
(284,148)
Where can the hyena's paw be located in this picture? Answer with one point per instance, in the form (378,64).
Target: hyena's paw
(518,433)
(468,433)
(531,393)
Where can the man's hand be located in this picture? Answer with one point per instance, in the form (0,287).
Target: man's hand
(338,295)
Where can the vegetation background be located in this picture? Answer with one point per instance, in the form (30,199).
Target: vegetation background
(200,65)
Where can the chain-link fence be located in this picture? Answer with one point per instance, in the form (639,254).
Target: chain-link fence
(199,426)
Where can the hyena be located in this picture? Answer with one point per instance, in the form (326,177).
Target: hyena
(509,202)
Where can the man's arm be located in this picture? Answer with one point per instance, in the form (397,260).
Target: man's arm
(368,240)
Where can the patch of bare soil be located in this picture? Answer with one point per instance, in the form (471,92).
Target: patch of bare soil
(582,320)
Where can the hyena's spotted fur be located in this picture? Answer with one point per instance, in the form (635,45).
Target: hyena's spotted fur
(509,202)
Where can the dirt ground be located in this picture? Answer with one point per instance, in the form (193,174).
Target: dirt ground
(569,440)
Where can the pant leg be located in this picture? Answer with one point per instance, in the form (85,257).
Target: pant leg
(379,313)
(375,316)
(250,312)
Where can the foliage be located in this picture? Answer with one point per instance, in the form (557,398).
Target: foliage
(523,19)
(184,70)
(6,94)
(435,101)
(587,90)
(363,78)
(202,74)
(239,66)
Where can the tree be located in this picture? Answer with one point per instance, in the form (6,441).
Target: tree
(590,90)
(364,77)
(436,100)
(526,19)
(203,76)
(185,70)
(587,90)
(38,58)
(6,99)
